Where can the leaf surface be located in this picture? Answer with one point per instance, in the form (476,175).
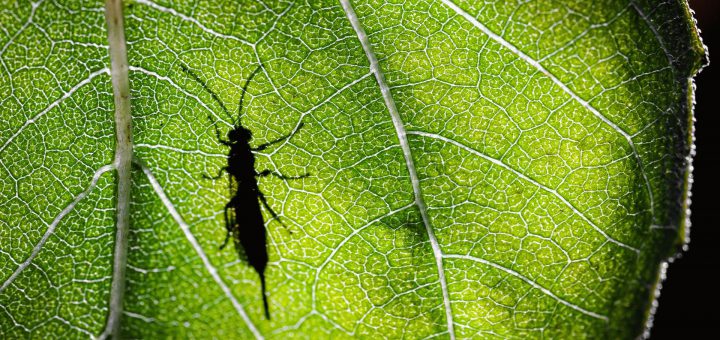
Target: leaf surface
(496,169)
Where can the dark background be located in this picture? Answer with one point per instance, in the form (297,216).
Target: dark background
(688,304)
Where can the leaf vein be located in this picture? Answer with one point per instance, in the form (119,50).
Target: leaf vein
(528,179)
(198,249)
(652,28)
(54,104)
(407,153)
(530,282)
(51,228)
(192,20)
(492,35)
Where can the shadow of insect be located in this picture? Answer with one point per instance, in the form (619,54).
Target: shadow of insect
(243,218)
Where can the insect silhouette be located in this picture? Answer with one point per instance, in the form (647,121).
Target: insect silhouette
(243,217)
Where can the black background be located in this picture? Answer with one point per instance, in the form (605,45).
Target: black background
(688,304)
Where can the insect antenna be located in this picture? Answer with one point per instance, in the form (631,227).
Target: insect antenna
(212,94)
(242,96)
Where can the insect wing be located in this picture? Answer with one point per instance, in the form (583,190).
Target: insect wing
(232,186)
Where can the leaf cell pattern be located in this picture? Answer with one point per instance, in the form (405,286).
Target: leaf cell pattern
(505,169)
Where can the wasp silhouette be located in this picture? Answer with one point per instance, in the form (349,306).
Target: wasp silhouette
(243,218)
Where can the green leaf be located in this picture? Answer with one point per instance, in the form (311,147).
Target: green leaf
(497,169)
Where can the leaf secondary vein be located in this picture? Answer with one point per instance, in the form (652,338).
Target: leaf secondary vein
(492,35)
(54,104)
(198,249)
(530,282)
(652,28)
(407,153)
(53,225)
(530,180)
(192,20)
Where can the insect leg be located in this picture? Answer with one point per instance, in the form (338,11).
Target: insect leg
(228,224)
(266,173)
(220,173)
(217,132)
(266,145)
(272,212)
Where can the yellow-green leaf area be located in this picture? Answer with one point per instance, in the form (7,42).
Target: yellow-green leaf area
(494,169)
